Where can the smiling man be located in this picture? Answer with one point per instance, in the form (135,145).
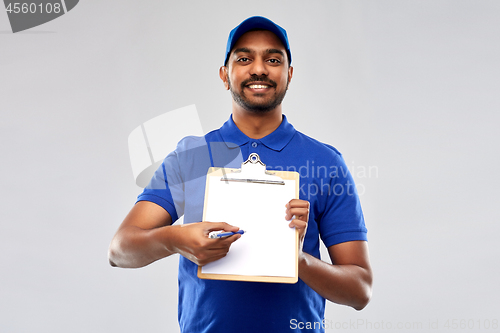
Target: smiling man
(267,89)
(257,70)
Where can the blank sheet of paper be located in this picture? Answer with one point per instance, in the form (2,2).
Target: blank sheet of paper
(268,246)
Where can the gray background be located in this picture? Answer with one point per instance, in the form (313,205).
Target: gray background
(409,88)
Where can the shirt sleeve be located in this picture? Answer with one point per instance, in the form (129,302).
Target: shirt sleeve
(166,188)
(342,219)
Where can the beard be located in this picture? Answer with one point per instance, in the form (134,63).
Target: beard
(257,107)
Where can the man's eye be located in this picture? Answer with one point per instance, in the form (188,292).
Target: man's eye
(274,61)
(243,59)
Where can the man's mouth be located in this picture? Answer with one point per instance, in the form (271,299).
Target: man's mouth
(258,86)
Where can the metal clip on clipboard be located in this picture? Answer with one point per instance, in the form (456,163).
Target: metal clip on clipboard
(253,171)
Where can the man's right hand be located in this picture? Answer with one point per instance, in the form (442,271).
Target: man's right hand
(191,241)
(146,235)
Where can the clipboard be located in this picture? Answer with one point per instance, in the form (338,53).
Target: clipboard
(254,200)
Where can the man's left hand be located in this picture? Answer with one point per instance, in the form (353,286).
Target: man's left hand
(298,212)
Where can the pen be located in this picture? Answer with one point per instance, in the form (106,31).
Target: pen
(222,234)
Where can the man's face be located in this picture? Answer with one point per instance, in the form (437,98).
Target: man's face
(257,71)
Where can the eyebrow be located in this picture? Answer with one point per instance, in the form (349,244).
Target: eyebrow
(268,51)
(276,51)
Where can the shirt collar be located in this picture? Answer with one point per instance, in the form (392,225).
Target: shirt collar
(276,140)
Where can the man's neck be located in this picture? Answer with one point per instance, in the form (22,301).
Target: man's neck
(257,125)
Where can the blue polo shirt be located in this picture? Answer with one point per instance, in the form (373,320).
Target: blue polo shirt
(335,216)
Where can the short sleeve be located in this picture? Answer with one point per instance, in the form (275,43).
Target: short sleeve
(342,219)
(166,187)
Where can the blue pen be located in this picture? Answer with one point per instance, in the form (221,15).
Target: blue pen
(222,234)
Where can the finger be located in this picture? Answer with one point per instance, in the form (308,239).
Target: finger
(217,252)
(302,213)
(298,203)
(211,259)
(214,250)
(297,207)
(225,242)
(299,224)
(214,254)
(215,226)
(297,213)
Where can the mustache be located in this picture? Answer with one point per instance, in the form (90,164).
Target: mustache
(258,79)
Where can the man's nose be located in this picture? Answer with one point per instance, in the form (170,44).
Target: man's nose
(258,67)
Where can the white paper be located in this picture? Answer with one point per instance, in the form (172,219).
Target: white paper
(268,246)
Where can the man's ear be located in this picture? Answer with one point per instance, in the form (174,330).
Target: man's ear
(290,74)
(223,76)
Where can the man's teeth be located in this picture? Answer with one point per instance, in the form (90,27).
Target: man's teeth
(258,86)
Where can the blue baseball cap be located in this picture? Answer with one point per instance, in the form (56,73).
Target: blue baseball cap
(257,22)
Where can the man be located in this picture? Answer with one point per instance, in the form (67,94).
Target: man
(257,72)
